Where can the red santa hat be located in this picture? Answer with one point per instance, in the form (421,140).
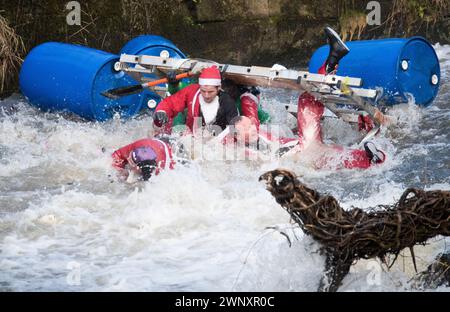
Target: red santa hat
(210,77)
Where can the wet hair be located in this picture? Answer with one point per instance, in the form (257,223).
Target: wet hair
(147,168)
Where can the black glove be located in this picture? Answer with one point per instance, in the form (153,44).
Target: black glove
(160,119)
(171,76)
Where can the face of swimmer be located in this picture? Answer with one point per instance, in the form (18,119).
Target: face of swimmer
(246,130)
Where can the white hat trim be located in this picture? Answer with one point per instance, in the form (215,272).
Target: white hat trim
(209,82)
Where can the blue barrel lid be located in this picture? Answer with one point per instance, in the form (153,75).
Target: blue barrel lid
(419,71)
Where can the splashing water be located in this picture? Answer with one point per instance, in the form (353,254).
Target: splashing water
(68,225)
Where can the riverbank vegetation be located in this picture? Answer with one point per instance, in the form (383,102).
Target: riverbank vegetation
(257,32)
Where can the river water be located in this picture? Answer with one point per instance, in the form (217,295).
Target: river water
(67,224)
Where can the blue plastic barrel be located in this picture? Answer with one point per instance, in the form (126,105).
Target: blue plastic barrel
(66,77)
(155,46)
(151,45)
(399,66)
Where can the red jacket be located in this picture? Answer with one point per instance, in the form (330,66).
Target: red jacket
(162,150)
(189,98)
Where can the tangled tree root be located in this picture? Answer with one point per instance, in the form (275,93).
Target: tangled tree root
(347,236)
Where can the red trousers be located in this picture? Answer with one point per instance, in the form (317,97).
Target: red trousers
(310,111)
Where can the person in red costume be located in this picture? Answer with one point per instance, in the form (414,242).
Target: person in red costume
(309,144)
(308,147)
(143,158)
(310,111)
(205,102)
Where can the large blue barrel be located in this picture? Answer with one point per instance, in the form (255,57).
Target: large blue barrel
(155,46)
(151,45)
(67,77)
(399,66)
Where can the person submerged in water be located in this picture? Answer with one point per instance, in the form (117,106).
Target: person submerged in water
(143,159)
(309,148)
(309,144)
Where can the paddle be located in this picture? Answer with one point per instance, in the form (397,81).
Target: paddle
(123,91)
